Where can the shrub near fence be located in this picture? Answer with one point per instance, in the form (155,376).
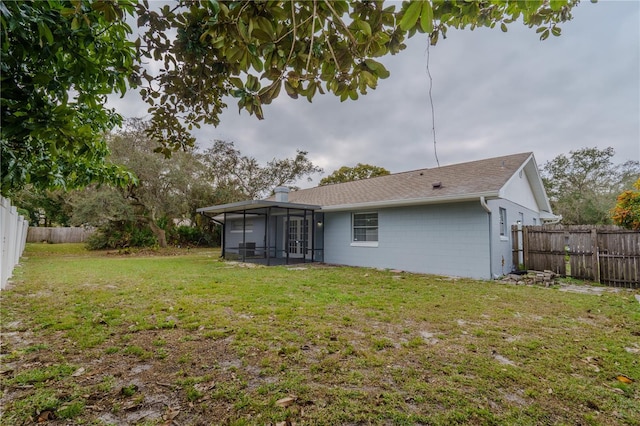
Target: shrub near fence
(58,235)
(606,254)
(13,235)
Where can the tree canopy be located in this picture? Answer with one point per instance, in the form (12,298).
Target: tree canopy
(583,185)
(251,50)
(59,61)
(243,176)
(358,172)
(167,190)
(626,212)
(60,58)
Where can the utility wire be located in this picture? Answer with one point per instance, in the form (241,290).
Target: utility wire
(433,112)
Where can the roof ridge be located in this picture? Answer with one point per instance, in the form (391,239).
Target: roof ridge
(457,164)
(417,170)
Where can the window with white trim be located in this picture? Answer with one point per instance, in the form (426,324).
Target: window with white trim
(503,223)
(237,226)
(365,228)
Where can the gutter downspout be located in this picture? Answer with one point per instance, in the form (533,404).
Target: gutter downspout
(485,206)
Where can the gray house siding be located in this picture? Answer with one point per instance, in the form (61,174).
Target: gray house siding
(233,235)
(502,247)
(444,239)
(319,223)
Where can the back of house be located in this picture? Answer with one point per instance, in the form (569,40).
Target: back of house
(450,220)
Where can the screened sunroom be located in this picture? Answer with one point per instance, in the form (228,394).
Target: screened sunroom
(269,232)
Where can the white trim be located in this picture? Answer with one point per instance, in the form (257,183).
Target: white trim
(364,244)
(532,174)
(503,221)
(409,202)
(240,225)
(299,246)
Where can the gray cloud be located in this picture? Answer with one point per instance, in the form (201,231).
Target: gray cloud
(494,93)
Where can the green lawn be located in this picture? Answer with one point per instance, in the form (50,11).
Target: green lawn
(105,338)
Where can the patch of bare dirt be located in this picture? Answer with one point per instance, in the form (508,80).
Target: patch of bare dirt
(169,381)
(589,289)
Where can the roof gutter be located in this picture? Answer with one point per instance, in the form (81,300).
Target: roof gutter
(410,202)
(253,205)
(551,220)
(203,213)
(483,203)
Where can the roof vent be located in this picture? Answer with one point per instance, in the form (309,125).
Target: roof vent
(436,185)
(282,194)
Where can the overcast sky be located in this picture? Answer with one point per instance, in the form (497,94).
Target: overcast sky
(494,94)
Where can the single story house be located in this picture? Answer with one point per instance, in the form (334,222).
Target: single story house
(450,220)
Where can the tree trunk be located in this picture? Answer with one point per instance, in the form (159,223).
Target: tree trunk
(160,233)
(149,216)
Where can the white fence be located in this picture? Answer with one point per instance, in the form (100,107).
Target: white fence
(13,236)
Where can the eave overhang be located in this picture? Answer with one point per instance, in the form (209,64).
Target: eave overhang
(253,205)
(530,168)
(457,198)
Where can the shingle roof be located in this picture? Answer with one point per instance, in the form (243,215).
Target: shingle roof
(457,182)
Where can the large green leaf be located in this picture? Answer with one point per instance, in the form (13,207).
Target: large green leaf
(426,17)
(411,15)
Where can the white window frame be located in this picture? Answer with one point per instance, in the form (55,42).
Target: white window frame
(503,224)
(236,226)
(371,243)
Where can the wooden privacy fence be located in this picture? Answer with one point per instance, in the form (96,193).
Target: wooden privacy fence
(606,254)
(56,235)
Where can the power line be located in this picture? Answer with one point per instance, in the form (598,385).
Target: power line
(433,112)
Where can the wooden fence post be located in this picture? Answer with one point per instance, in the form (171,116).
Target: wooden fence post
(568,251)
(595,261)
(525,246)
(515,251)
